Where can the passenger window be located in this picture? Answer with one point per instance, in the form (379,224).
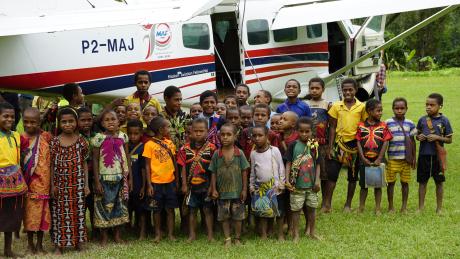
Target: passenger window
(288,34)
(257,32)
(195,35)
(314,31)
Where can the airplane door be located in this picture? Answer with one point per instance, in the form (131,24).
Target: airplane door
(368,37)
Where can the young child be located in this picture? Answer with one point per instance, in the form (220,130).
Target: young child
(133,111)
(319,108)
(111,174)
(231,101)
(242,94)
(73,94)
(13,188)
(148,114)
(433,131)
(208,101)
(302,177)
(194,159)
(35,162)
(373,136)
(121,112)
(233,116)
(195,110)
(401,129)
(293,103)
(266,181)
(275,123)
(161,175)
(288,125)
(136,198)
(246,116)
(69,185)
(221,109)
(229,182)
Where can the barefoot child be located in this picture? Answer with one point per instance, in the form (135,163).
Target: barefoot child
(230,101)
(274,123)
(121,112)
(111,175)
(221,109)
(433,131)
(229,183)
(293,103)
(69,185)
(35,161)
(302,176)
(403,131)
(373,136)
(12,185)
(194,159)
(148,114)
(161,175)
(288,125)
(242,94)
(136,197)
(266,181)
(195,110)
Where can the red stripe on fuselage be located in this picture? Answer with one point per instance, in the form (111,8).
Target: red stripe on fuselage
(284,67)
(35,81)
(304,48)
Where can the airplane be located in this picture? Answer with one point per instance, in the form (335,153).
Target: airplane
(196,45)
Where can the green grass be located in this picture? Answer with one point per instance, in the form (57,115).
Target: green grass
(345,235)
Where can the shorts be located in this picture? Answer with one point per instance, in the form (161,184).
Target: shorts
(400,166)
(164,197)
(322,162)
(230,209)
(299,197)
(283,202)
(429,166)
(333,168)
(199,200)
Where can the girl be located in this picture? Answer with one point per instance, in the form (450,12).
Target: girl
(266,180)
(148,114)
(373,136)
(111,173)
(69,186)
(221,109)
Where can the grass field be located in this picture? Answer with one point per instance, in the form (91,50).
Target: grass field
(344,235)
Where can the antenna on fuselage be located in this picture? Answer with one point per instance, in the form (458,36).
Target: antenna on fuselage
(93,6)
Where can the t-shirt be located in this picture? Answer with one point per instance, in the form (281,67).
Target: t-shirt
(397,148)
(201,176)
(299,153)
(299,107)
(320,119)
(229,178)
(143,102)
(372,137)
(137,164)
(347,119)
(10,144)
(161,163)
(441,126)
(246,144)
(112,161)
(266,166)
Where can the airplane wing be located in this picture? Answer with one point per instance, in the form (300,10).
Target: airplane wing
(306,12)
(26,17)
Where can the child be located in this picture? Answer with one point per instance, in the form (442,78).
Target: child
(275,123)
(230,101)
(288,124)
(302,177)
(69,186)
(194,159)
(293,103)
(12,185)
(121,111)
(35,161)
(401,129)
(221,109)
(242,94)
(233,116)
(433,131)
(229,182)
(246,116)
(73,94)
(111,175)
(373,136)
(161,175)
(195,110)
(266,181)
(319,108)
(148,114)
(136,198)
(133,111)
(208,100)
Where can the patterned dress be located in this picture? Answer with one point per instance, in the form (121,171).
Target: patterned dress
(68,210)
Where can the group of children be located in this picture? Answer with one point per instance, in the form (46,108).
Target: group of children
(136,158)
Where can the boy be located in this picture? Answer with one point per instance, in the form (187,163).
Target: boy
(231,101)
(302,177)
(208,101)
(36,165)
(194,159)
(242,94)
(161,175)
(293,103)
(136,198)
(344,117)
(142,80)
(319,108)
(173,113)
(73,94)
(246,113)
(148,114)
(195,110)
(229,182)
(288,125)
(221,109)
(433,131)
(274,123)
(233,116)
(402,130)
(121,110)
